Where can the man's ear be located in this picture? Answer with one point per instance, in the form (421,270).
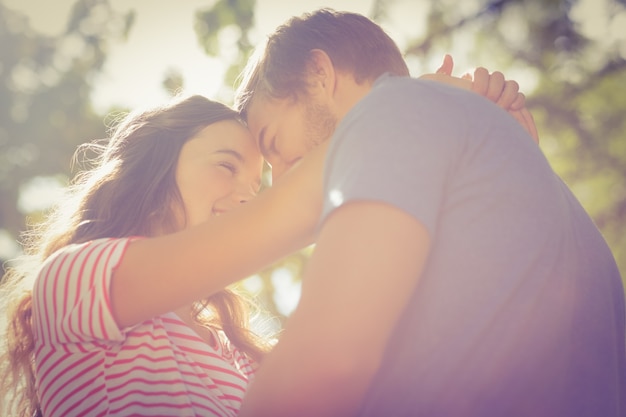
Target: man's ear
(322,73)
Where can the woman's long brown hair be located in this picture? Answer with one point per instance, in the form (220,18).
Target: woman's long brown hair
(128,191)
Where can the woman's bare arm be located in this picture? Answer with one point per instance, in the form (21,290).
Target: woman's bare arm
(157,275)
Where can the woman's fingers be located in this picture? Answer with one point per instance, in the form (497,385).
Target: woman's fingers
(447,65)
(509,94)
(524,118)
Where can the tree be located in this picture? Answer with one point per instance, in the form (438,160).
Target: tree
(577,70)
(45,109)
(578,73)
(575,51)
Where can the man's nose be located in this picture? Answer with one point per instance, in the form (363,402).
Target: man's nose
(279,168)
(277,171)
(246,193)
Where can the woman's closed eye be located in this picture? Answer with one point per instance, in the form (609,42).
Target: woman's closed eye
(229,166)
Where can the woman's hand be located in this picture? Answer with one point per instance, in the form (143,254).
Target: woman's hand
(505,93)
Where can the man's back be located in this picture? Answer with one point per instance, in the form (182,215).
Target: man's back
(520,310)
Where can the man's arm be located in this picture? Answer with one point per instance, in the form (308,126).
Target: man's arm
(366,265)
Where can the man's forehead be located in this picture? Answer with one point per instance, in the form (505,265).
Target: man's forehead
(257,118)
(260,113)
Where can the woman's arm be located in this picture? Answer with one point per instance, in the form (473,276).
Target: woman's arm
(157,275)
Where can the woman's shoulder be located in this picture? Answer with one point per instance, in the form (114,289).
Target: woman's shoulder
(78,258)
(71,292)
(89,248)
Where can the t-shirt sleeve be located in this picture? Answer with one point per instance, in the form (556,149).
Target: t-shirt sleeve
(393,148)
(71,295)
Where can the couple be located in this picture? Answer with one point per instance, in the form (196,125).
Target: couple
(454,274)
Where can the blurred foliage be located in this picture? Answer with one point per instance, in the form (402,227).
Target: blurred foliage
(576,51)
(234,16)
(578,103)
(578,97)
(45,84)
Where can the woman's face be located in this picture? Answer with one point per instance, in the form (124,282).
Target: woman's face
(217,170)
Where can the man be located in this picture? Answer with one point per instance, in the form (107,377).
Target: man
(454,273)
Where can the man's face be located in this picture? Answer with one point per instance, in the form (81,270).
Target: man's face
(286,129)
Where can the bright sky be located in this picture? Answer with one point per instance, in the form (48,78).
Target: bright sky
(163,39)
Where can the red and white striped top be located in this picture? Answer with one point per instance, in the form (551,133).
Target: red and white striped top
(87,366)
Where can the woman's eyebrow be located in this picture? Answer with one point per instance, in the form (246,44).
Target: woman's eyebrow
(231,152)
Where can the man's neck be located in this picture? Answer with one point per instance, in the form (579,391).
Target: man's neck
(349,92)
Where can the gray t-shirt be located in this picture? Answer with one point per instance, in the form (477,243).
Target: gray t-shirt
(520,309)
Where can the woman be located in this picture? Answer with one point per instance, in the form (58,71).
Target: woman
(117,326)
(121,307)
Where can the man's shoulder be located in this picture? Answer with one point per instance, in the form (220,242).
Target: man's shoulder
(389,95)
(403,93)
(389,83)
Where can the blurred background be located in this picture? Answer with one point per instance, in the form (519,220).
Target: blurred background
(68,67)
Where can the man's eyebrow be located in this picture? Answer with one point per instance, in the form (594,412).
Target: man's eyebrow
(262,138)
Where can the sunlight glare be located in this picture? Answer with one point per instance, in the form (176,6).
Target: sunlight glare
(40,193)
(287,292)
(9,248)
